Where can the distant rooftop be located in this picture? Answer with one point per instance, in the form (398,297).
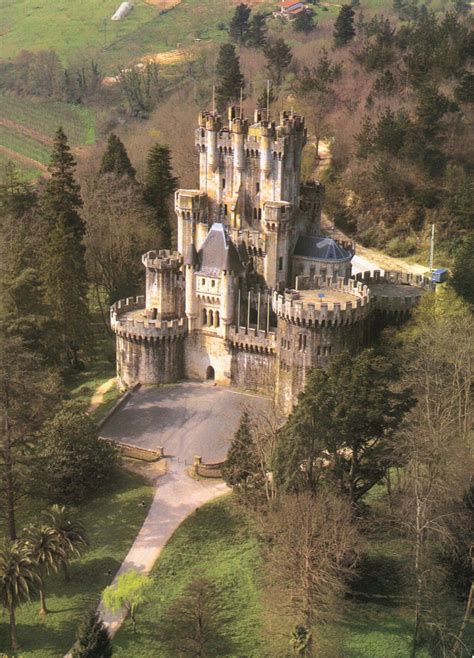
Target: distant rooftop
(325,249)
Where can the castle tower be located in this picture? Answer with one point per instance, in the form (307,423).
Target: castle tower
(163,284)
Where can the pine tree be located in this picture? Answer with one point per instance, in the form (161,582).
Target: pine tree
(304,22)
(115,159)
(365,139)
(239,25)
(160,184)
(257,37)
(279,56)
(344,30)
(93,639)
(62,264)
(230,79)
(240,464)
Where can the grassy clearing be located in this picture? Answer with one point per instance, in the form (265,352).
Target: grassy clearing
(112,519)
(44,116)
(27,172)
(216,543)
(24,145)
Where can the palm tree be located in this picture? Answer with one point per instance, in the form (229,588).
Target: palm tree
(70,532)
(18,580)
(43,546)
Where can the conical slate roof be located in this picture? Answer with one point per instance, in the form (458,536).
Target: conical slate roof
(191,256)
(219,253)
(325,249)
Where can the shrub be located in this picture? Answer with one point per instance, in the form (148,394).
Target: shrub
(74,462)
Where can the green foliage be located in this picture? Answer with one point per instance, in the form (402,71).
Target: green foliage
(74,461)
(93,639)
(304,22)
(344,30)
(141,88)
(229,78)
(194,623)
(18,580)
(159,187)
(347,414)
(279,57)
(257,35)
(115,512)
(115,159)
(216,542)
(62,259)
(239,25)
(240,465)
(464,92)
(70,533)
(130,591)
(462,279)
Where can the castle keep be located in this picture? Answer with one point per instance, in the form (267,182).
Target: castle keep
(254,296)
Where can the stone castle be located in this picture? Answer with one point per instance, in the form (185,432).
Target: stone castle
(254,296)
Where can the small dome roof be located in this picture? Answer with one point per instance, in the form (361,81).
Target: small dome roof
(322,249)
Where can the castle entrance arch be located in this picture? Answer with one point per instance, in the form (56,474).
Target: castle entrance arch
(210,373)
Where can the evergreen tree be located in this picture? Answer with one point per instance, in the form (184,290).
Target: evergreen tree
(239,25)
(160,185)
(240,463)
(390,131)
(230,79)
(16,195)
(93,639)
(279,57)
(304,22)
(63,269)
(257,36)
(115,159)
(344,30)
(345,415)
(462,279)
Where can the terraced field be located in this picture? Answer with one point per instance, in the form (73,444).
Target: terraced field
(27,126)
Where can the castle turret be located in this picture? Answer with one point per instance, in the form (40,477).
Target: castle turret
(163,284)
(276,215)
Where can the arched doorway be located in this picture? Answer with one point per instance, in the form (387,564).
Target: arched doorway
(210,374)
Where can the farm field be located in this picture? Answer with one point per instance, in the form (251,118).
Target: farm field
(27,126)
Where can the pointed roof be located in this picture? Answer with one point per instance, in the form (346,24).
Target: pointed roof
(191,256)
(219,253)
(325,249)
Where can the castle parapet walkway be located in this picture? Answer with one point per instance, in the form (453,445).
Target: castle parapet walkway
(336,302)
(252,339)
(127,319)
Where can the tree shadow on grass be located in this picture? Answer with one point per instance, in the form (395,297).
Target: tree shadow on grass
(379,580)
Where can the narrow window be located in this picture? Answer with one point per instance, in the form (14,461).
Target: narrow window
(225,209)
(203,282)
(223,183)
(257,187)
(213,282)
(280,263)
(255,213)
(260,213)
(204,316)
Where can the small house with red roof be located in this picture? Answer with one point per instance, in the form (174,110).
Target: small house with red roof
(291,9)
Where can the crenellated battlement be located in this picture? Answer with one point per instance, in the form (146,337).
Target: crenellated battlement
(394,277)
(125,305)
(252,339)
(348,302)
(164,259)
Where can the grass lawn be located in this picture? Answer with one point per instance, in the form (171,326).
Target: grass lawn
(213,542)
(112,519)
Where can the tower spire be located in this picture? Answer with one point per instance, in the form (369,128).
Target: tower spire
(213,99)
(241,102)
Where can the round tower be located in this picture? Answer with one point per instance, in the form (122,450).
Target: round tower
(163,284)
(191,301)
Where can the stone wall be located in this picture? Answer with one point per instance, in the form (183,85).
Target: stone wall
(203,350)
(253,370)
(144,361)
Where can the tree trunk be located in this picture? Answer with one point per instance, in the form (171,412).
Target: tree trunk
(389,489)
(13,637)
(43,609)
(418,576)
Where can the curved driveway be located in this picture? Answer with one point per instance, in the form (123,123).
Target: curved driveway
(185,419)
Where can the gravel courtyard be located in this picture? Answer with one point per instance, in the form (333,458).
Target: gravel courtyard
(187,419)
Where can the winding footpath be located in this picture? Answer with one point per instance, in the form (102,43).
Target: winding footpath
(177,495)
